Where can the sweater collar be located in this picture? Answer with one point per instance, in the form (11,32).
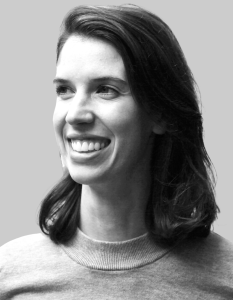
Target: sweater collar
(124,255)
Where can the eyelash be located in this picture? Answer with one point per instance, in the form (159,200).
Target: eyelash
(64,91)
(114,91)
(60,90)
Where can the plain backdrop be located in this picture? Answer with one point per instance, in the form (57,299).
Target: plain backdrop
(30,164)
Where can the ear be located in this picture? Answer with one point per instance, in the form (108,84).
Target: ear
(62,161)
(159,127)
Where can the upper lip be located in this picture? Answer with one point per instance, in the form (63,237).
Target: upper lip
(85,136)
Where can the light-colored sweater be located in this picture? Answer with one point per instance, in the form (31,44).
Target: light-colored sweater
(33,267)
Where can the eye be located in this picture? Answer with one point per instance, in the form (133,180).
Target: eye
(64,92)
(107,92)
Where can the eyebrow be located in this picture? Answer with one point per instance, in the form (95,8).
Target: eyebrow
(99,79)
(60,80)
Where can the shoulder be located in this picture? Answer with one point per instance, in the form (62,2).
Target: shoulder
(217,241)
(218,252)
(24,240)
(32,262)
(25,244)
(27,251)
(213,254)
(213,245)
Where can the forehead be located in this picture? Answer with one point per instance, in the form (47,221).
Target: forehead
(82,56)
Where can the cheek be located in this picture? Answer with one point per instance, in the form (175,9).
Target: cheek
(120,116)
(130,121)
(129,126)
(58,124)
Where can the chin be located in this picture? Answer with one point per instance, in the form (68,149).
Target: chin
(86,177)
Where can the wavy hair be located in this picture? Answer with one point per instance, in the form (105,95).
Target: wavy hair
(182,201)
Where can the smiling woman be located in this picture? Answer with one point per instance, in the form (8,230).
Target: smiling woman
(137,196)
(97,111)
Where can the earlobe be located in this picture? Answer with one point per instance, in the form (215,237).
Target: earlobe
(159,128)
(62,161)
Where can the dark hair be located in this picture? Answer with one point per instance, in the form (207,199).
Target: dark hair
(182,201)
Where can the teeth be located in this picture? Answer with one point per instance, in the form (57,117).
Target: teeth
(76,146)
(91,146)
(86,145)
(97,146)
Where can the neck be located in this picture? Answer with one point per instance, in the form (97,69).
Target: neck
(115,211)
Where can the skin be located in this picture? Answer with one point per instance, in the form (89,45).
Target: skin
(94,98)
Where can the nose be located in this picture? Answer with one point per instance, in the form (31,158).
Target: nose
(80,110)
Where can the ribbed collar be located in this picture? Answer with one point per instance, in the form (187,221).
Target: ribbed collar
(111,256)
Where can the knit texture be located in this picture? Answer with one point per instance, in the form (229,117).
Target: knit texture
(33,267)
(125,255)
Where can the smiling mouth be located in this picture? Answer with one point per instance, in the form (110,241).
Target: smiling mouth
(89,145)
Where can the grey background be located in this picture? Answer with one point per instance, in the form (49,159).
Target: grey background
(30,165)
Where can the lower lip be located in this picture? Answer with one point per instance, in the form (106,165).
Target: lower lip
(85,156)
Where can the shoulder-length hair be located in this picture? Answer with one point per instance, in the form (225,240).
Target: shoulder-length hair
(182,201)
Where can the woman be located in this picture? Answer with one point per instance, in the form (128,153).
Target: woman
(131,217)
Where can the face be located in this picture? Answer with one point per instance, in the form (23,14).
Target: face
(101,132)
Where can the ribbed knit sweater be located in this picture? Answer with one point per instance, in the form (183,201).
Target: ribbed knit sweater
(33,267)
